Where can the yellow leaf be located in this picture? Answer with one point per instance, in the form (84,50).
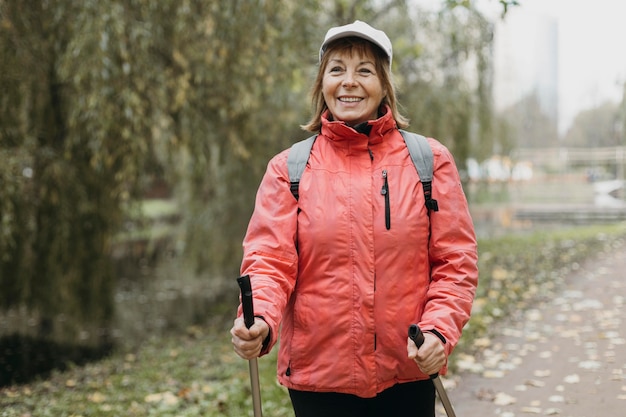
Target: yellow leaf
(96,397)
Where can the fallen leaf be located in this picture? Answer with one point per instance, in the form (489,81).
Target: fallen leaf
(572,379)
(504,399)
(482,342)
(485,395)
(184,392)
(12,393)
(499,273)
(542,373)
(96,397)
(468,363)
(556,399)
(531,410)
(552,412)
(166,397)
(534,315)
(492,374)
(512,332)
(535,383)
(590,365)
(152,398)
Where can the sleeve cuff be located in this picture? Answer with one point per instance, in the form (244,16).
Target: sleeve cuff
(439,335)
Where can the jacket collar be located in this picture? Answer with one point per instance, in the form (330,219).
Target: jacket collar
(342,134)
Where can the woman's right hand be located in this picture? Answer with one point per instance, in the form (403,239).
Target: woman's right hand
(249,342)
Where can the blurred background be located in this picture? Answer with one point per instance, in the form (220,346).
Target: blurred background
(134,133)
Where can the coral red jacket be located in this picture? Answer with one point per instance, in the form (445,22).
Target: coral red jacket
(344,287)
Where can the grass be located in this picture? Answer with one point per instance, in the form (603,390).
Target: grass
(197,374)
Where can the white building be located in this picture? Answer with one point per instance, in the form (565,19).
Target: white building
(526,60)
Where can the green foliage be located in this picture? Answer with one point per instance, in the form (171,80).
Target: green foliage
(528,125)
(100,98)
(118,92)
(596,127)
(244,101)
(506,4)
(58,209)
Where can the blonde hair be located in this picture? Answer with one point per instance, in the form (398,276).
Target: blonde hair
(354,45)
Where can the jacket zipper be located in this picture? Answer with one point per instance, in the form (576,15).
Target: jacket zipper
(385,192)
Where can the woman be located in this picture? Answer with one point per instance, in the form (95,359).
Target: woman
(344,284)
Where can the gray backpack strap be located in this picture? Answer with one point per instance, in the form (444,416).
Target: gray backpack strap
(296,162)
(422,157)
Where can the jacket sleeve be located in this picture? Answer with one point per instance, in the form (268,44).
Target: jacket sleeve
(269,250)
(453,254)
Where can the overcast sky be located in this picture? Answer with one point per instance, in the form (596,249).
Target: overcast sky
(592,50)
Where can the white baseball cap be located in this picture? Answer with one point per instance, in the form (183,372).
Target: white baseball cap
(362,30)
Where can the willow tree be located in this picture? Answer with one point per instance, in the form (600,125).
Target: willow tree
(97,96)
(74,139)
(241,77)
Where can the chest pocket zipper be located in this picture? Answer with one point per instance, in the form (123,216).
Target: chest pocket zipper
(385,192)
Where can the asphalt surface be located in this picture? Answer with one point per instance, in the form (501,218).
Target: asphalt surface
(563,357)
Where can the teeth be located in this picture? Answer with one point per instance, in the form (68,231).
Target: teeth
(350,99)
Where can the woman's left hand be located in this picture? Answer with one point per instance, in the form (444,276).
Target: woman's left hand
(430,357)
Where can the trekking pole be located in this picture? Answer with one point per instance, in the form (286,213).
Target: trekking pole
(416,335)
(248,318)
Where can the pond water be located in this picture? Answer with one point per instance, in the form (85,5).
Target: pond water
(149,303)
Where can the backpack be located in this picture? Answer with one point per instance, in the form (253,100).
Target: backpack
(419,149)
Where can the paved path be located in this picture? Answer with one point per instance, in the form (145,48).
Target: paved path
(564,357)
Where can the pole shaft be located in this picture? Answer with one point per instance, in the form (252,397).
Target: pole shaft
(256,388)
(248,318)
(443,396)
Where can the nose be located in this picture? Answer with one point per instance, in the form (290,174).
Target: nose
(349,80)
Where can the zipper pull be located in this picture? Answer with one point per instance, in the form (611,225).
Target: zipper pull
(385,188)
(385,192)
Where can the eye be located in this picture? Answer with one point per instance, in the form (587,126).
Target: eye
(336,68)
(366,71)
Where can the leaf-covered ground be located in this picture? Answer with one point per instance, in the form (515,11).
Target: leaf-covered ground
(563,356)
(197,374)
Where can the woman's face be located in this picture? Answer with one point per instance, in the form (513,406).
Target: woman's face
(351,87)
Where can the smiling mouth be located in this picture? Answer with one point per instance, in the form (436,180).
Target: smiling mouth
(350,99)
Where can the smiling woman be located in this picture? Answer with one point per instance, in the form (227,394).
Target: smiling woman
(351,86)
(370,52)
(326,268)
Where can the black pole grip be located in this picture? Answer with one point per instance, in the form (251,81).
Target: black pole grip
(246,300)
(416,335)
